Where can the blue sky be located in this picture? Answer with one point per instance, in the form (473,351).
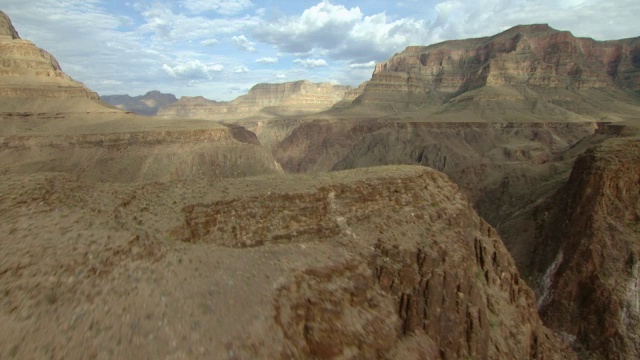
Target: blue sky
(220,48)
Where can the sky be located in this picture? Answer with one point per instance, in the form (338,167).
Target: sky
(219,49)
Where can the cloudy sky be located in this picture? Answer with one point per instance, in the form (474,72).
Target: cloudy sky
(220,48)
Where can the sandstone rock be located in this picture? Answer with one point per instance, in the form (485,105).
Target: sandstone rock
(6,28)
(292,97)
(147,104)
(31,77)
(351,95)
(528,56)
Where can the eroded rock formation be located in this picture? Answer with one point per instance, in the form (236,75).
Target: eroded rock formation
(284,98)
(521,58)
(586,261)
(28,72)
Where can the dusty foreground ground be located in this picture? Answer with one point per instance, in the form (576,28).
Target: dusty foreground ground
(387,262)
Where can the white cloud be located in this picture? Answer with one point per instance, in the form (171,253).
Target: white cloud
(267,60)
(280,76)
(168,26)
(311,63)
(241,69)
(322,26)
(243,43)
(209,42)
(193,70)
(341,33)
(367,65)
(224,7)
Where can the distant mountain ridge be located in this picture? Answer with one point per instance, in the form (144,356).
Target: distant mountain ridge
(147,104)
(521,63)
(291,97)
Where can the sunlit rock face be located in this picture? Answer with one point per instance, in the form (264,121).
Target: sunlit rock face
(291,97)
(526,56)
(27,71)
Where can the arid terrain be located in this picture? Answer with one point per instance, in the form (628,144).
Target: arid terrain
(476,199)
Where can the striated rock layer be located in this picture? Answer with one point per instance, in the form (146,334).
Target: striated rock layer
(28,72)
(586,259)
(523,57)
(378,263)
(292,97)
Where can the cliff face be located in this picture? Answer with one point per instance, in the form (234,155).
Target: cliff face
(388,262)
(147,104)
(27,72)
(299,96)
(587,258)
(6,28)
(532,56)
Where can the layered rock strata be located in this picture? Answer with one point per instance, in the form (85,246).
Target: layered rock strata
(586,261)
(297,97)
(526,56)
(28,72)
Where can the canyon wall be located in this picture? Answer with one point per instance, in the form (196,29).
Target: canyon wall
(284,98)
(527,56)
(585,262)
(28,72)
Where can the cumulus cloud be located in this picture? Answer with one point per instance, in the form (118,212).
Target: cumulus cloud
(243,43)
(311,63)
(209,42)
(267,60)
(241,69)
(167,25)
(367,65)
(224,7)
(322,26)
(461,19)
(193,70)
(349,34)
(342,33)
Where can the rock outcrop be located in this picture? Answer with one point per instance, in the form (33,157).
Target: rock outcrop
(29,74)
(388,262)
(523,60)
(284,98)
(147,104)
(6,28)
(586,259)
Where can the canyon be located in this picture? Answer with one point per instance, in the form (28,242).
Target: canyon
(476,199)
